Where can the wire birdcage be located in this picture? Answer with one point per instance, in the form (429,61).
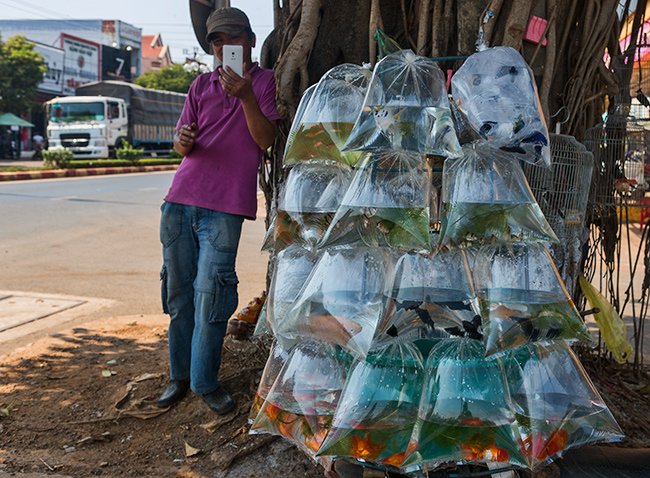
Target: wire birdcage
(621,149)
(562,192)
(616,257)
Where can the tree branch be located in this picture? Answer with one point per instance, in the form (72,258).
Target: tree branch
(373,24)
(423,27)
(516,23)
(296,54)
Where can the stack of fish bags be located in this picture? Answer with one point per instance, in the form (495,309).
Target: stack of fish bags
(318,173)
(409,348)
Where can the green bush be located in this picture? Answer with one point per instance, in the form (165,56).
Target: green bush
(159,161)
(129,153)
(118,163)
(57,158)
(174,154)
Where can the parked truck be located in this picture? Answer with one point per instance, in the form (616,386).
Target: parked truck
(103,115)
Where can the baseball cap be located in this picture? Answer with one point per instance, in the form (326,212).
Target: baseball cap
(229,20)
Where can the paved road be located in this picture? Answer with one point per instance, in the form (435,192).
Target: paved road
(98,238)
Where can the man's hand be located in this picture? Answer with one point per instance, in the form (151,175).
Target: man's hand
(235,85)
(187,134)
(185,137)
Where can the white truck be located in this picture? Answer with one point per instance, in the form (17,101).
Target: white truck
(104,114)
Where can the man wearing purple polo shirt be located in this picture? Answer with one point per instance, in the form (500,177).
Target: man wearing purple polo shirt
(226,123)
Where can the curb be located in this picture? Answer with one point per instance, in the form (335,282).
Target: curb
(71,173)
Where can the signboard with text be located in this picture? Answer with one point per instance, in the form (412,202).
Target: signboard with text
(81,62)
(53,77)
(116,64)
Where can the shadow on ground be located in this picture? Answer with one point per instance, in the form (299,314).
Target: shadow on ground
(85,405)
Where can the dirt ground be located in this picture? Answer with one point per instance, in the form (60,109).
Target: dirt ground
(83,404)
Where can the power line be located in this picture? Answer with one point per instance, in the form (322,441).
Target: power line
(38,13)
(38,8)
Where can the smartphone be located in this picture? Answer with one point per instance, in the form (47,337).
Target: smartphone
(233,57)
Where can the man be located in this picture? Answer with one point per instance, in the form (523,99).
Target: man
(226,123)
(37,143)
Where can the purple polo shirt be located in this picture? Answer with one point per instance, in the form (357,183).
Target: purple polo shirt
(220,173)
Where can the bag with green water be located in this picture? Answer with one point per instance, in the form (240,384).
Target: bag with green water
(522,299)
(406,108)
(486,199)
(387,204)
(328,117)
(465,413)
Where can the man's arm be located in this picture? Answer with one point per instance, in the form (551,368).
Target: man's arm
(259,126)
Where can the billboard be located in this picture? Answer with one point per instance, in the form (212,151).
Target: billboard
(53,77)
(116,64)
(109,32)
(81,62)
(130,35)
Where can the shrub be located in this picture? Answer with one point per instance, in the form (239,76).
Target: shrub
(112,163)
(159,161)
(58,158)
(128,152)
(173,154)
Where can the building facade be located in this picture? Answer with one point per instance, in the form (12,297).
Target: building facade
(155,54)
(92,50)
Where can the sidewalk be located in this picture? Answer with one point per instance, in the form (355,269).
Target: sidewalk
(67,173)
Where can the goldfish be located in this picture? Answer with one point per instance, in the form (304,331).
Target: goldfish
(364,447)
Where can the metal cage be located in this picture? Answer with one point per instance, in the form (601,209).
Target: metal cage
(621,150)
(562,192)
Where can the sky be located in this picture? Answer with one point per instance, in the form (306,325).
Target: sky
(170,18)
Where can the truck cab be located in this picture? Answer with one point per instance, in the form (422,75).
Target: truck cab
(89,126)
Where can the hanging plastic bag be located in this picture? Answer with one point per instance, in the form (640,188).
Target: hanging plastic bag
(406,108)
(386,45)
(277,358)
(431,293)
(297,118)
(309,199)
(378,407)
(387,204)
(329,116)
(268,243)
(292,267)
(302,401)
(465,414)
(486,199)
(464,130)
(342,300)
(556,405)
(496,91)
(522,299)
(611,326)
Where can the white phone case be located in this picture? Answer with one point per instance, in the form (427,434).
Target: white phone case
(233,57)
